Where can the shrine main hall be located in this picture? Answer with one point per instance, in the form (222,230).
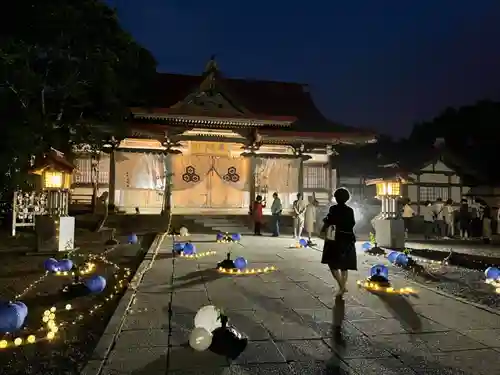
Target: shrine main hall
(211,144)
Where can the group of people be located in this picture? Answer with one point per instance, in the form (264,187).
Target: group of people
(304,215)
(339,252)
(444,220)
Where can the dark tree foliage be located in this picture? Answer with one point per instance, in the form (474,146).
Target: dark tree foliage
(471,131)
(67,72)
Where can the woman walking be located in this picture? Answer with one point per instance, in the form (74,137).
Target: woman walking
(339,252)
(258,205)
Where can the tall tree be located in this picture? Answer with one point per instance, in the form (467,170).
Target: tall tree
(472,131)
(67,69)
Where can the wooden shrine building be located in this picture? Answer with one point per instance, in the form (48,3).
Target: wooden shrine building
(219,142)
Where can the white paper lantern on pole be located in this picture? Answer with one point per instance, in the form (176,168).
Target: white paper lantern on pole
(208,317)
(200,339)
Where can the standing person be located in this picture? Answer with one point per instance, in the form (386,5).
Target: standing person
(438,210)
(299,211)
(449,219)
(475,227)
(258,205)
(428,220)
(339,251)
(276,209)
(408,213)
(486,230)
(464,218)
(310,217)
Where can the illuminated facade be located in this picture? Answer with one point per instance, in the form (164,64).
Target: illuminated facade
(219,142)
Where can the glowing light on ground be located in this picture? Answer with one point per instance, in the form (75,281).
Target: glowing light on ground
(253,271)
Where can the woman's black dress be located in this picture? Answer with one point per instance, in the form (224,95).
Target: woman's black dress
(340,253)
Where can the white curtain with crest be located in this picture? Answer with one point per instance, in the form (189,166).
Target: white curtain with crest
(190,170)
(234,172)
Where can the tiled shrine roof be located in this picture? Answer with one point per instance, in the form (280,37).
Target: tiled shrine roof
(266,101)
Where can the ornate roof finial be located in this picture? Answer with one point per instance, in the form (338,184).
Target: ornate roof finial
(211,67)
(210,75)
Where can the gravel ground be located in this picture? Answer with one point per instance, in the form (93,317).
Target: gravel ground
(80,327)
(463,278)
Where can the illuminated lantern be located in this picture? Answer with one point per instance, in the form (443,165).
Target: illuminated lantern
(219,236)
(200,339)
(492,273)
(303,242)
(392,256)
(95,284)
(179,246)
(132,239)
(401,260)
(65,265)
(22,308)
(240,263)
(51,265)
(12,317)
(209,318)
(228,342)
(379,270)
(366,246)
(236,237)
(189,249)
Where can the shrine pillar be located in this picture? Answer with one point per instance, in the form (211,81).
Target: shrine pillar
(112,179)
(301,176)
(252,180)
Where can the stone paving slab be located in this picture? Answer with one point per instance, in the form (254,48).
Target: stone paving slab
(288,316)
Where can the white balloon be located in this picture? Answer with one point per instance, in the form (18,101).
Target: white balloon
(200,339)
(208,317)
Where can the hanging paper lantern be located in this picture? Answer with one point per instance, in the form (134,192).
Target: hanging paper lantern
(12,317)
(65,265)
(401,260)
(95,284)
(200,339)
(208,317)
(132,239)
(303,242)
(179,246)
(51,265)
(219,236)
(189,249)
(240,263)
(392,256)
(379,270)
(236,237)
(492,273)
(366,246)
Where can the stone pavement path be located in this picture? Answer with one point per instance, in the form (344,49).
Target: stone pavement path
(288,315)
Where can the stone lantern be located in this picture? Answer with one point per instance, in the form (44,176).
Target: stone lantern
(55,229)
(388,225)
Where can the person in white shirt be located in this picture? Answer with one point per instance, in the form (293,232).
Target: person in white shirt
(408,213)
(438,210)
(428,220)
(299,211)
(449,218)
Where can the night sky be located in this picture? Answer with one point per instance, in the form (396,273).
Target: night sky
(379,64)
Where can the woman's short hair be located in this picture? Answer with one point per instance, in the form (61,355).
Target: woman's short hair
(342,195)
(258,198)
